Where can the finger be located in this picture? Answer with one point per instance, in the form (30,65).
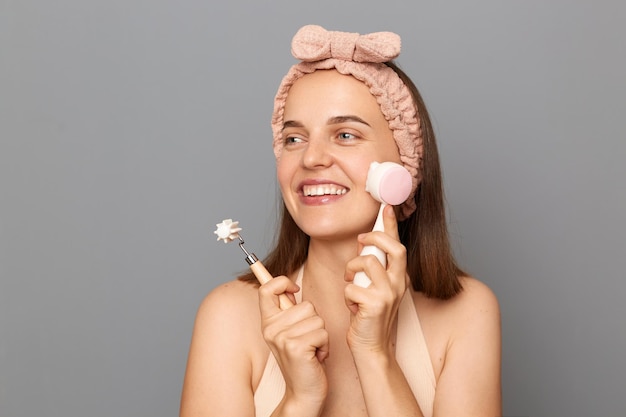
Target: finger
(300,319)
(323,351)
(390,222)
(304,338)
(311,344)
(352,305)
(385,288)
(269,293)
(391,247)
(363,301)
(395,251)
(303,322)
(368,264)
(316,341)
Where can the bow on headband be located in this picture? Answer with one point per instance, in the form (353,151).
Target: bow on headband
(314,43)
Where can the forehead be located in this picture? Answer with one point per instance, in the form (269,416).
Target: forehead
(330,91)
(328,76)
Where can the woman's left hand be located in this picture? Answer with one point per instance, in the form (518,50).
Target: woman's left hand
(374,309)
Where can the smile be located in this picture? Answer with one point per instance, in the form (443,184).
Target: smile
(323,189)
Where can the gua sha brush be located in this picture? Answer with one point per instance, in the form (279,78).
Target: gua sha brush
(228,231)
(388,183)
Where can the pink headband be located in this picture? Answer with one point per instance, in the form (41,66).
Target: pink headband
(363,57)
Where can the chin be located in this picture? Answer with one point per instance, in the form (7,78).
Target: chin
(332,227)
(335,221)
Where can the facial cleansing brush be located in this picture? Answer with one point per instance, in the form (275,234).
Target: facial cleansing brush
(388,183)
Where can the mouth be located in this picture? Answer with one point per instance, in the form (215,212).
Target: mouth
(323,189)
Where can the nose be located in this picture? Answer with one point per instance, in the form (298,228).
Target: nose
(317,153)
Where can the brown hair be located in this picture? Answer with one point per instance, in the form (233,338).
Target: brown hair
(430,262)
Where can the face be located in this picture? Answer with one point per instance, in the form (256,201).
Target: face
(333,129)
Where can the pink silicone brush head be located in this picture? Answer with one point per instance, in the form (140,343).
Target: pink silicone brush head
(388,182)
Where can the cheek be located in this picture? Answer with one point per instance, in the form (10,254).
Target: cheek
(284,173)
(359,170)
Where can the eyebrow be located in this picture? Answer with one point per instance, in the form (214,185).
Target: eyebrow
(332,121)
(347,118)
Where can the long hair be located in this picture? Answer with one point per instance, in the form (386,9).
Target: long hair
(430,263)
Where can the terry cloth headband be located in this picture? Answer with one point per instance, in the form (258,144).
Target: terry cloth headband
(363,57)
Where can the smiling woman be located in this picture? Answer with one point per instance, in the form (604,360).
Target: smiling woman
(340,132)
(424,338)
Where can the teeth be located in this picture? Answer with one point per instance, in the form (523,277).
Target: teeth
(325,189)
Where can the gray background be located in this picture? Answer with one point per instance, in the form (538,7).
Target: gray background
(130,128)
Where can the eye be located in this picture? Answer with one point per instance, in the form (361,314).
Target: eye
(346,136)
(292,139)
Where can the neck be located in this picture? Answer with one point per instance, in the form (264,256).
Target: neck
(325,268)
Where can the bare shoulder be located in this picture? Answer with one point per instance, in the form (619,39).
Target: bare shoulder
(476,296)
(226,352)
(464,339)
(470,319)
(232,307)
(234,295)
(475,310)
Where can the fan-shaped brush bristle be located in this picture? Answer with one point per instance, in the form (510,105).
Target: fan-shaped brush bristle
(227,230)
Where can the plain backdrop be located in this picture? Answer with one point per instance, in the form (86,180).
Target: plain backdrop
(129,128)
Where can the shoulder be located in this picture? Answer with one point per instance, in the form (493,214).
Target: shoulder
(474,298)
(230,301)
(465,336)
(475,310)
(228,317)
(468,321)
(474,320)
(226,352)
(231,290)
(472,368)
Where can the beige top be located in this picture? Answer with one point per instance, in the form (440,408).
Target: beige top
(411,354)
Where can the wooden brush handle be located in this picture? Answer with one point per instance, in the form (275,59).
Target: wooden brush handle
(264,276)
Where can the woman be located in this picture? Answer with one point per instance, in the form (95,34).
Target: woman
(424,338)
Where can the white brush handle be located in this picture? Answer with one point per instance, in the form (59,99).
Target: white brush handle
(360,278)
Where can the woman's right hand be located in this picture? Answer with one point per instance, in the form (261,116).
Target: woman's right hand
(299,341)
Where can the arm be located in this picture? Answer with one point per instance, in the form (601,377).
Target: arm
(299,341)
(219,368)
(469,384)
(385,388)
(374,312)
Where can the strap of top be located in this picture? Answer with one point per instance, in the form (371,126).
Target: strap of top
(413,357)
